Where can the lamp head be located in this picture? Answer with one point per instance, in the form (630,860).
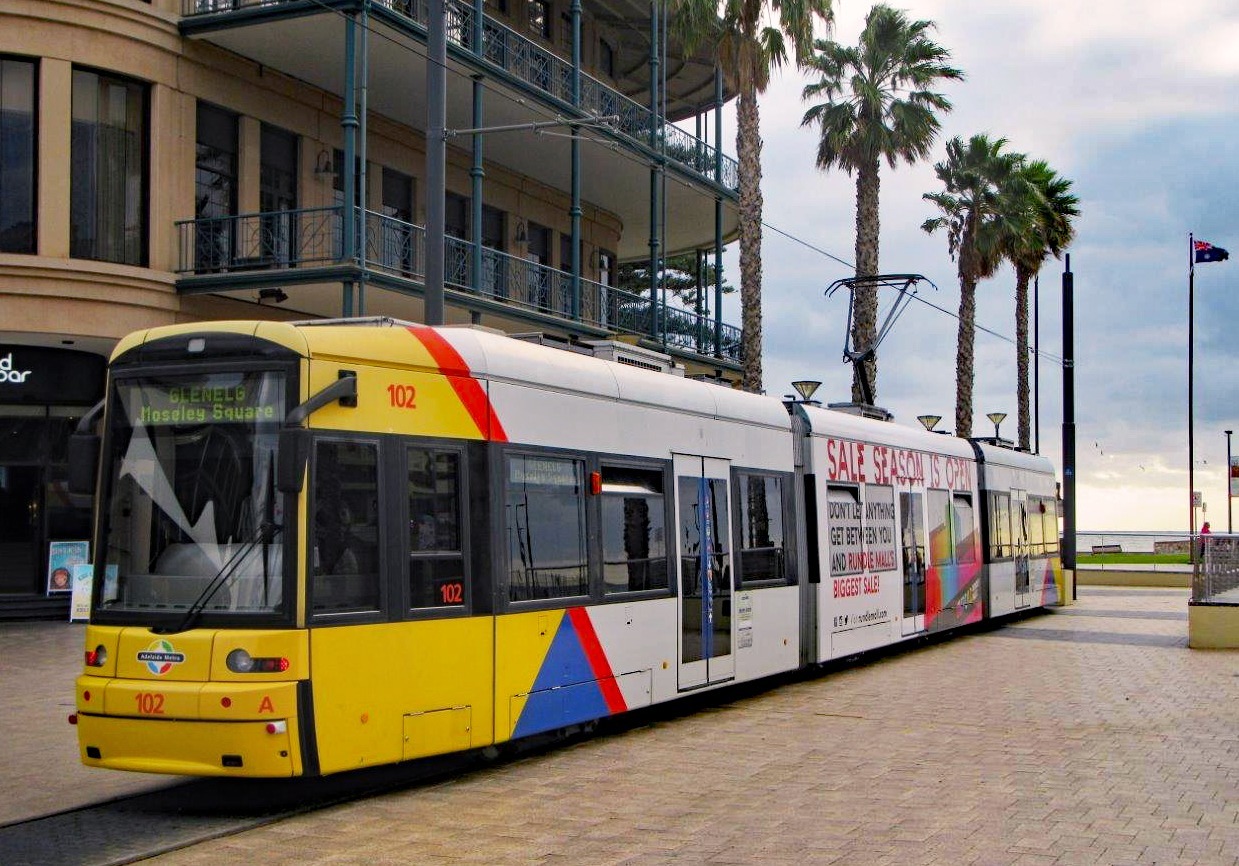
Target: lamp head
(806,389)
(929,422)
(996,418)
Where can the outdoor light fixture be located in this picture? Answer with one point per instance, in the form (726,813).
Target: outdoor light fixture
(276,294)
(806,389)
(996,419)
(929,422)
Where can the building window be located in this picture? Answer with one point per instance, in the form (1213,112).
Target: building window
(277,194)
(540,18)
(634,530)
(436,558)
(545,528)
(108,168)
(215,187)
(606,58)
(345,560)
(456,216)
(396,237)
(18,151)
(763,538)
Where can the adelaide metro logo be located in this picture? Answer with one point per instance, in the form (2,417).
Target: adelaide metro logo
(160,656)
(8,374)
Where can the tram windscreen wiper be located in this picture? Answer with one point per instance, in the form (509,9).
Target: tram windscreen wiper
(267,531)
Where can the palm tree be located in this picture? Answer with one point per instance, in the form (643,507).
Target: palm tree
(980,204)
(747,50)
(878,106)
(1051,208)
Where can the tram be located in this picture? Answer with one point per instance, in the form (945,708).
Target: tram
(325,546)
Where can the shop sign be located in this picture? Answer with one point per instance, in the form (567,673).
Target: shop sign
(38,374)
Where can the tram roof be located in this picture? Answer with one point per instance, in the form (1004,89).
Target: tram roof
(492,355)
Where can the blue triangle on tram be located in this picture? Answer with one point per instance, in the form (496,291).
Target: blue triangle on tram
(565,691)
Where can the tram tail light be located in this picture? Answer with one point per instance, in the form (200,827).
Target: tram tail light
(97,657)
(280,727)
(241,662)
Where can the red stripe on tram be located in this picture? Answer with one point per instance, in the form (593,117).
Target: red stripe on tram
(471,393)
(597,660)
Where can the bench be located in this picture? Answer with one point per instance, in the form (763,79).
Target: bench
(1107,548)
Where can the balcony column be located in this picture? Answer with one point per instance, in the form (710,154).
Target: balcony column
(575,210)
(348,122)
(361,165)
(655,167)
(436,157)
(718,213)
(476,173)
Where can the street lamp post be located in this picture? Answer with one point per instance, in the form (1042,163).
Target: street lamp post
(996,418)
(1229,522)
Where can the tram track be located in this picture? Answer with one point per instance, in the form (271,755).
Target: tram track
(134,828)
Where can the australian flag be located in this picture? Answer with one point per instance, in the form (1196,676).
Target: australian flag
(1207,252)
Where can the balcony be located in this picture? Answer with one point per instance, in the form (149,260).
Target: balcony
(304,245)
(507,52)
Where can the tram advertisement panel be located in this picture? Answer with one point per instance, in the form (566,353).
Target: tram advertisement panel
(863,562)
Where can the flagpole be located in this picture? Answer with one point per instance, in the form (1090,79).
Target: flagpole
(1191,442)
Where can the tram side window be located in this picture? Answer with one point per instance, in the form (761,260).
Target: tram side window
(1036,526)
(436,559)
(634,530)
(1000,526)
(1049,518)
(545,527)
(965,528)
(763,538)
(346,546)
(941,546)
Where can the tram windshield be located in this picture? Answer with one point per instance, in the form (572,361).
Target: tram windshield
(193,521)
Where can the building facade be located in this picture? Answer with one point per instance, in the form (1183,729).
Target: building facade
(165,161)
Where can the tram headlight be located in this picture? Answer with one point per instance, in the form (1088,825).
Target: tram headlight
(240,662)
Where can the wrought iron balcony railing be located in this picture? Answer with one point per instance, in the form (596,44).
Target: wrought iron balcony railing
(315,237)
(527,61)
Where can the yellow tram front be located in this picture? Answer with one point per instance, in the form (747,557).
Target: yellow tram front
(271,494)
(194,662)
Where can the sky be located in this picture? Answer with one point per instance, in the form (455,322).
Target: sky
(1138,105)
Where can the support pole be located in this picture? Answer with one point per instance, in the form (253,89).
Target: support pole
(655,210)
(1069,426)
(1037,364)
(1230,524)
(476,173)
(1191,406)
(436,157)
(718,213)
(574,211)
(348,122)
(363,109)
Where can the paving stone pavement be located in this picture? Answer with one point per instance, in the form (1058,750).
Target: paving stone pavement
(1037,743)
(40,772)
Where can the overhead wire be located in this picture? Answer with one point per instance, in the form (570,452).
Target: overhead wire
(533,107)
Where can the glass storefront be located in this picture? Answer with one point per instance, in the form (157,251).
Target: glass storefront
(43,394)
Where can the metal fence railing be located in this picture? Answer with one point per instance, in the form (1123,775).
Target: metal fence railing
(1215,579)
(533,64)
(315,236)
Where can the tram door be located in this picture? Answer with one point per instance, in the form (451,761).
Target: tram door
(703,545)
(1019,546)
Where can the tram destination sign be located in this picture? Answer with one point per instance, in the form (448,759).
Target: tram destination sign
(244,403)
